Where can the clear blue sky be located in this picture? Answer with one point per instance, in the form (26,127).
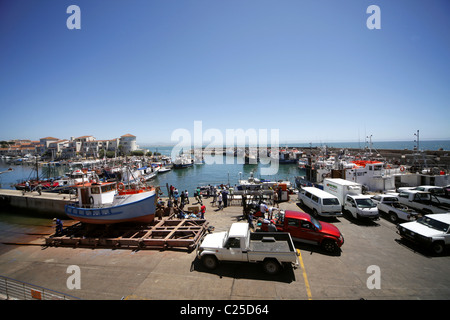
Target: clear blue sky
(311,69)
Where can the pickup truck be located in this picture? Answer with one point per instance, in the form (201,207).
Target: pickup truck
(271,249)
(441,193)
(432,230)
(361,207)
(305,228)
(422,201)
(388,204)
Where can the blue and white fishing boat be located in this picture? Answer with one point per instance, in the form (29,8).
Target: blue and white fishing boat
(183,161)
(109,202)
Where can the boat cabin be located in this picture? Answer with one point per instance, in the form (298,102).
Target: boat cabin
(96,194)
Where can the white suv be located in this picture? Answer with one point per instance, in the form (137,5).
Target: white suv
(432,230)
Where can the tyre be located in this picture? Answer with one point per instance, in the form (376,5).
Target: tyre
(329,246)
(438,247)
(271,266)
(315,214)
(210,262)
(393,217)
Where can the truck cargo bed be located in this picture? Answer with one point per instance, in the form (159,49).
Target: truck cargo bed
(271,242)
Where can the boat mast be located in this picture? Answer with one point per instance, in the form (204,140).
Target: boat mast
(37,170)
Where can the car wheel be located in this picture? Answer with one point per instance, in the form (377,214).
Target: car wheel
(329,246)
(271,266)
(315,214)
(210,262)
(393,217)
(438,247)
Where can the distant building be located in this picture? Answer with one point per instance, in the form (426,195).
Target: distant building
(44,143)
(128,143)
(84,146)
(56,147)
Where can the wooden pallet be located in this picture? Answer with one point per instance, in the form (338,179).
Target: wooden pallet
(167,233)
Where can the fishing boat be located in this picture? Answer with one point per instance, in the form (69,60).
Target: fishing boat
(111,202)
(164,169)
(183,161)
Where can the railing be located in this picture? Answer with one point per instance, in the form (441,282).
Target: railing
(18,290)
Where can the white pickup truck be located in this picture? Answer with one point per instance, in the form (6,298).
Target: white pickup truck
(388,204)
(422,201)
(272,249)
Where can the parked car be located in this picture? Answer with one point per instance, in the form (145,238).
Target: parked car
(432,231)
(305,228)
(389,204)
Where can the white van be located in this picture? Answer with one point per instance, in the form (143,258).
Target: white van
(320,202)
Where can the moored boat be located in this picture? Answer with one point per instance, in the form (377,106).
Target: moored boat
(183,161)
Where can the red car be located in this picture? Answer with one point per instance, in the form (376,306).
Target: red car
(305,228)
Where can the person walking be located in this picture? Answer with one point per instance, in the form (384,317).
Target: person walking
(58,226)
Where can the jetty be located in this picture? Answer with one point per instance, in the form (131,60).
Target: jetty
(45,203)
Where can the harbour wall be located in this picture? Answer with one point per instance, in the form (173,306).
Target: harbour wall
(46,204)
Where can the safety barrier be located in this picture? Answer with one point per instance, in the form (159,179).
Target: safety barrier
(18,290)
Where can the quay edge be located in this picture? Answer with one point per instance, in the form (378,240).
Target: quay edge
(47,204)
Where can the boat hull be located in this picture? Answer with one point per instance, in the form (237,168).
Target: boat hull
(182,166)
(142,210)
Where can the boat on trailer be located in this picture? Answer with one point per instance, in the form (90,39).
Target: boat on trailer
(111,202)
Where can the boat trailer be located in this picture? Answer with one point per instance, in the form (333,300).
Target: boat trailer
(165,233)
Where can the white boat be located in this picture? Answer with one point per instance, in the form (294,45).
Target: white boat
(109,202)
(164,169)
(182,161)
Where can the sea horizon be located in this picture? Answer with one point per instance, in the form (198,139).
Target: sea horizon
(424,145)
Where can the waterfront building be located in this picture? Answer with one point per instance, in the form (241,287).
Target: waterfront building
(128,143)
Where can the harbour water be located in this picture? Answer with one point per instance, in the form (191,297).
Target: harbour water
(184,179)
(228,172)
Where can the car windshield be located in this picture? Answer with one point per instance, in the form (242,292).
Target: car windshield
(432,223)
(330,202)
(316,223)
(365,203)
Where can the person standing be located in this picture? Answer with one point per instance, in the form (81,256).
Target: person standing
(275,199)
(202,212)
(186,193)
(219,200)
(182,200)
(225,198)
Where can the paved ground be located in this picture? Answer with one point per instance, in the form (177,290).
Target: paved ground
(151,274)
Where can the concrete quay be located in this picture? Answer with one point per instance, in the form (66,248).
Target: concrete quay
(406,272)
(46,203)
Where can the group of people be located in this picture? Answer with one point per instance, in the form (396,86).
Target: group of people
(180,200)
(222,196)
